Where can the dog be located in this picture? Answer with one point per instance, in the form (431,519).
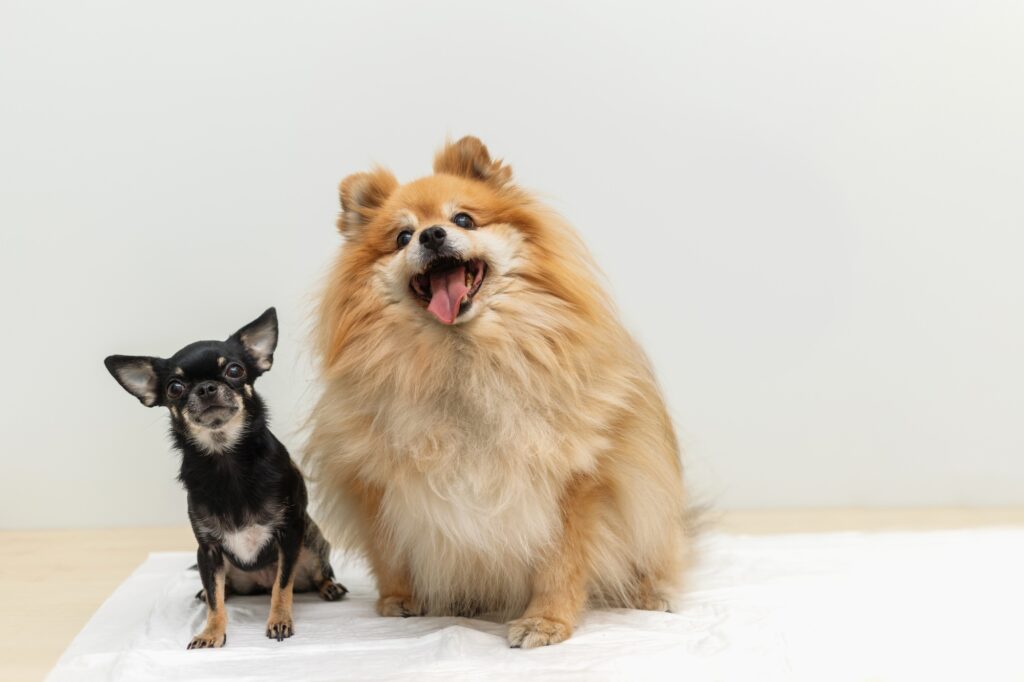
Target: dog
(488,436)
(246,498)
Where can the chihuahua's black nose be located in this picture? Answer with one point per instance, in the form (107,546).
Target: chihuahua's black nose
(207,389)
(433,237)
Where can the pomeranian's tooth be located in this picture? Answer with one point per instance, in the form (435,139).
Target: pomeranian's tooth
(469,278)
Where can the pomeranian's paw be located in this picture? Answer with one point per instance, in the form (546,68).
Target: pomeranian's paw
(332,591)
(208,639)
(527,633)
(399,605)
(280,628)
(653,602)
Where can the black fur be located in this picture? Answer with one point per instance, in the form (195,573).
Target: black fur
(237,474)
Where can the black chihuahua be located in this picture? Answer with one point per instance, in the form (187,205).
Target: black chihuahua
(246,498)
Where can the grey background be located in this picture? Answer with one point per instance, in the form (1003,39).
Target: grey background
(810,213)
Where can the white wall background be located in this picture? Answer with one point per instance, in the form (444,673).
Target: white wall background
(811,213)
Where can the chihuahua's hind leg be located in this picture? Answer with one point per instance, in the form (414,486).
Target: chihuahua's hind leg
(328,589)
(318,556)
(211,570)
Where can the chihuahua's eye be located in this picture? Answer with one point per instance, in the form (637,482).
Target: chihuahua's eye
(234,371)
(464,220)
(175,389)
(404,237)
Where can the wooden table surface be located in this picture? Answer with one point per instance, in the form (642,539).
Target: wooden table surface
(56,579)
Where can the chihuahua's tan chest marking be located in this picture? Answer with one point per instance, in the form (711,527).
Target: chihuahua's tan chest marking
(246,543)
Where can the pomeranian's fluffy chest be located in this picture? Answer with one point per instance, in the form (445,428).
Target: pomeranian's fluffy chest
(471,476)
(465,534)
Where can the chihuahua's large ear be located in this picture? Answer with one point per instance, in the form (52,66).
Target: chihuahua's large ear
(361,195)
(259,339)
(468,157)
(137,375)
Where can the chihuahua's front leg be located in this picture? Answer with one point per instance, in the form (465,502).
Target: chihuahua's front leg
(211,571)
(279,625)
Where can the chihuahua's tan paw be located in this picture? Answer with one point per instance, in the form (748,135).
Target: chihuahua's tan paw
(332,591)
(280,628)
(402,605)
(527,633)
(208,639)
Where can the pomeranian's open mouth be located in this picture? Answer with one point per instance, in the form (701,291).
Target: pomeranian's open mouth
(448,286)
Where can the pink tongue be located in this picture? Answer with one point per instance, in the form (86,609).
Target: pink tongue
(447,289)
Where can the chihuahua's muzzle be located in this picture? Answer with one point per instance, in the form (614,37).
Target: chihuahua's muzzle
(212,404)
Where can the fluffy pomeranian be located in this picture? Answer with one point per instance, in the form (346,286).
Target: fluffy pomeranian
(489,436)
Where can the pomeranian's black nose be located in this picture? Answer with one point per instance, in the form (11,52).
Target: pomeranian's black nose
(433,237)
(207,389)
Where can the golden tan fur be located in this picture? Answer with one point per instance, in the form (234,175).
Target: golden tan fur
(215,633)
(520,461)
(279,623)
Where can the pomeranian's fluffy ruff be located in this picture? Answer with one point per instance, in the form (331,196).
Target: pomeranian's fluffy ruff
(517,459)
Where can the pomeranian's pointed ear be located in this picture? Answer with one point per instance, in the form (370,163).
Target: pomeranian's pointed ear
(361,195)
(469,158)
(137,375)
(259,339)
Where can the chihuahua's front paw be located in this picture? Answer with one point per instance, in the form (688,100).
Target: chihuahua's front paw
(527,633)
(208,639)
(280,628)
(332,591)
(403,605)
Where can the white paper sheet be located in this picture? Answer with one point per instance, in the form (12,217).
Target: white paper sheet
(890,606)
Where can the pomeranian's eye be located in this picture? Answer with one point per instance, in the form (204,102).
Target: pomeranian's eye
(234,371)
(404,237)
(175,389)
(464,220)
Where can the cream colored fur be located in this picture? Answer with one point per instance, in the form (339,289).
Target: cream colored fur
(473,433)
